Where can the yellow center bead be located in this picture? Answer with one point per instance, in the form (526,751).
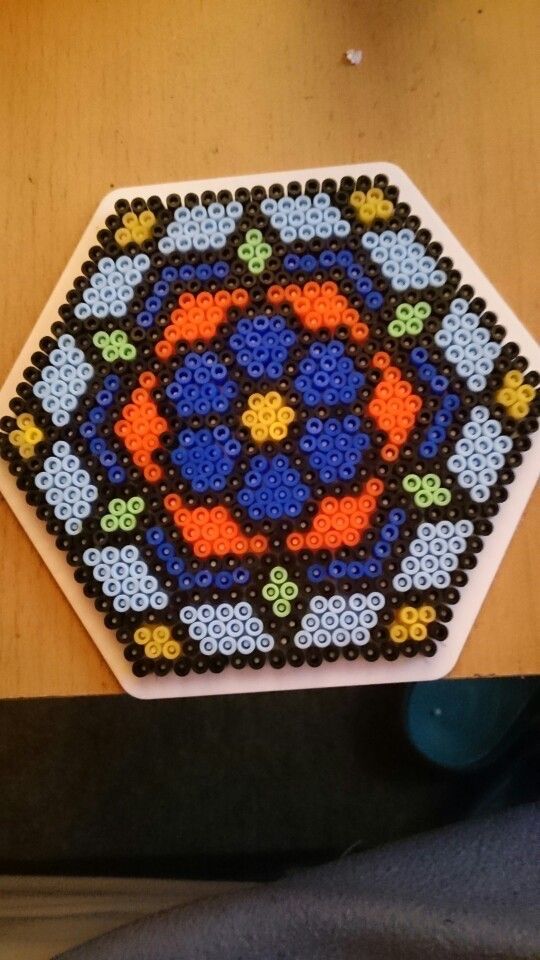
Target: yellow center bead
(26,436)
(267,417)
(515,395)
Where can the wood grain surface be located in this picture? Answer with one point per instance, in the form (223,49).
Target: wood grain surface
(102,94)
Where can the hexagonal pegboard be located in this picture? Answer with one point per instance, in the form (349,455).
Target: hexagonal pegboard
(264,428)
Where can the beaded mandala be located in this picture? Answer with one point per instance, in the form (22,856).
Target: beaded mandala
(271,427)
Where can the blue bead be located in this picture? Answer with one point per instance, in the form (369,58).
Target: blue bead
(419,356)
(145,319)
(374,300)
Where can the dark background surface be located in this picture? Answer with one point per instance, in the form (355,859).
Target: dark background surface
(244,786)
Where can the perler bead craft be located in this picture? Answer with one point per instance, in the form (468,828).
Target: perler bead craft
(263,429)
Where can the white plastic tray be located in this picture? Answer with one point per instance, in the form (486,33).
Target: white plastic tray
(341,673)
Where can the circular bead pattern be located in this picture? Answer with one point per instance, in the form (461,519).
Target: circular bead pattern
(271,429)
(327,376)
(467,345)
(304,218)
(335,447)
(201,386)
(403,260)
(262,345)
(201,228)
(63,380)
(206,457)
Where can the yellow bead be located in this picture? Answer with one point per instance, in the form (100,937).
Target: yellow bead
(161,634)
(26,451)
(277,431)
(407,615)
(506,396)
(426,614)
(255,401)
(171,650)
(259,433)
(33,435)
(142,635)
(130,220)
(418,632)
(249,418)
(153,650)
(16,437)
(398,633)
(266,415)
(513,379)
(357,199)
(367,213)
(122,236)
(25,420)
(375,193)
(139,234)
(526,393)
(274,400)
(285,415)
(518,410)
(385,209)
(147,219)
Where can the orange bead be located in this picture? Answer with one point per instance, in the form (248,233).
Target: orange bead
(381,360)
(275,294)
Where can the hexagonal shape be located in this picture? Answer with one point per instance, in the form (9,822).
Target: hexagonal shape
(262,429)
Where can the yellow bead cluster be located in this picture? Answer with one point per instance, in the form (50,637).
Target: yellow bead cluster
(267,417)
(157,642)
(26,436)
(411,623)
(371,206)
(135,229)
(515,395)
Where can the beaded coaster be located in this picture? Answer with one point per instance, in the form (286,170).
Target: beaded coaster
(262,429)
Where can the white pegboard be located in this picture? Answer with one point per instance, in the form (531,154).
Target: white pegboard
(341,673)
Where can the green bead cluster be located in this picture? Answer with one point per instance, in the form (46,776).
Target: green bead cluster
(280,591)
(114,346)
(427,490)
(122,514)
(254,251)
(409,319)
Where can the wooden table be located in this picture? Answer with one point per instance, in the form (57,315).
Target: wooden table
(102,94)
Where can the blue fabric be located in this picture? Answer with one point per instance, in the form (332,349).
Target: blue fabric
(468,892)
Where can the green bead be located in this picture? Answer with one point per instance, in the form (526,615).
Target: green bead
(278,575)
(281,608)
(289,591)
(431,481)
(117,507)
(256,265)
(414,326)
(404,312)
(100,339)
(254,236)
(135,505)
(423,499)
(108,523)
(246,251)
(128,351)
(110,353)
(396,328)
(442,497)
(270,592)
(422,310)
(263,250)
(118,337)
(412,483)
(127,521)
